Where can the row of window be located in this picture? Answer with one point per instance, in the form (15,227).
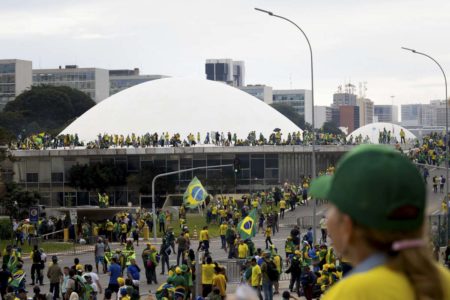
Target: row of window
(7,68)
(51,77)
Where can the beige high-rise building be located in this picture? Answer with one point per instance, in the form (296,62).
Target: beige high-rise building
(365,111)
(15,77)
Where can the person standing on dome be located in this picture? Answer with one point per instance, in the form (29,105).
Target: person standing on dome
(376,220)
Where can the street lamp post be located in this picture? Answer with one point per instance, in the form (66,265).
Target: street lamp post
(446,132)
(313,154)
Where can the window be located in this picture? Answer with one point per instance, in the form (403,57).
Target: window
(57,177)
(32,177)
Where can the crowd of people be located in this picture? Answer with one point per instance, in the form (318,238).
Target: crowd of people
(44,141)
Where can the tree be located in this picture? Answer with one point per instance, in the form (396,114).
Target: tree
(17,201)
(331,127)
(289,113)
(44,108)
(142,181)
(98,176)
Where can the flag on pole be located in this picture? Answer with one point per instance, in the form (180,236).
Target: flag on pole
(246,227)
(195,194)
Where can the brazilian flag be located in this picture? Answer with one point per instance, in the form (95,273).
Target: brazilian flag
(195,194)
(246,226)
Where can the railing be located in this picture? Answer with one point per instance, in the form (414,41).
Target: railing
(234,270)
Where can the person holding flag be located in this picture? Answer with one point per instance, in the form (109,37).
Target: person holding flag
(246,227)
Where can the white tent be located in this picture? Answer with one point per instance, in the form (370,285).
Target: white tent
(373,130)
(181,106)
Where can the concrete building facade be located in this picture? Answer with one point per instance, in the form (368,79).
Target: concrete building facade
(226,70)
(92,81)
(15,77)
(366,111)
(120,80)
(322,114)
(263,167)
(411,114)
(386,113)
(299,100)
(260,91)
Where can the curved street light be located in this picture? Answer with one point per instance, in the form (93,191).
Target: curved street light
(313,154)
(446,130)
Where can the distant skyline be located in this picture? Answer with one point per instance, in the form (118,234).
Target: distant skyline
(353,41)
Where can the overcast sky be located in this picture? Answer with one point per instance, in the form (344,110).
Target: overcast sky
(356,41)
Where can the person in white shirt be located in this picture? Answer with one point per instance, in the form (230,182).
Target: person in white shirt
(95,279)
(323,229)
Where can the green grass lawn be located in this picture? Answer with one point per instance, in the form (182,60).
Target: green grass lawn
(194,221)
(49,247)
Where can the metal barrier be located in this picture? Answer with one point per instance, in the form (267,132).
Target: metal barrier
(438,229)
(307,222)
(234,270)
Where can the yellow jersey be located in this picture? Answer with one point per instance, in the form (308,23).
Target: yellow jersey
(223,229)
(208,273)
(256,276)
(204,235)
(380,283)
(242,251)
(282,204)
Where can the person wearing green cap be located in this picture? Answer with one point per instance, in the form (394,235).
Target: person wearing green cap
(376,220)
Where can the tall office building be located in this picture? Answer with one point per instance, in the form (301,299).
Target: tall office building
(120,80)
(15,77)
(93,81)
(366,111)
(226,70)
(340,99)
(260,91)
(346,116)
(300,100)
(386,113)
(322,114)
(411,114)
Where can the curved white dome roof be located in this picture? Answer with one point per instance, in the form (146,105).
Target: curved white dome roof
(180,105)
(372,131)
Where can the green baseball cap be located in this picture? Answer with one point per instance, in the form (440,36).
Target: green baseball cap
(377,187)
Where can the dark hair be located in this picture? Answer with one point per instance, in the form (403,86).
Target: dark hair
(89,268)
(286,295)
(209,260)
(72,272)
(76,261)
(108,294)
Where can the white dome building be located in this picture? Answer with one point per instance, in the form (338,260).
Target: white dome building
(181,106)
(373,130)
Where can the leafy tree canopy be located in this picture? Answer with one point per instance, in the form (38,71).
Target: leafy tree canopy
(17,201)
(98,176)
(331,127)
(44,108)
(289,113)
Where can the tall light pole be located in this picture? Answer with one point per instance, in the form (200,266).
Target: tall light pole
(313,154)
(446,132)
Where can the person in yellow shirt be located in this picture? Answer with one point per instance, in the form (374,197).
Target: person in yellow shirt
(380,227)
(207,276)
(256,277)
(204,240)
(214,214)
(242,250)
(282,208)
(220,281)
(222,231)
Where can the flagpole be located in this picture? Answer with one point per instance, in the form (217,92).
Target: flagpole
(174,173)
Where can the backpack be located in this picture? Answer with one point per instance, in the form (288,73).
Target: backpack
(80,288)
(272,271)
(37,256)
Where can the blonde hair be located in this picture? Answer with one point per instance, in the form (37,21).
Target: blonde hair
(416,264)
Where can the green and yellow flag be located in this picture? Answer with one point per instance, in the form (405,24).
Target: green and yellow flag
(247,226)
(195,194)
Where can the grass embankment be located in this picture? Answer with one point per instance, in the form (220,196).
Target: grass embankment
(49,247)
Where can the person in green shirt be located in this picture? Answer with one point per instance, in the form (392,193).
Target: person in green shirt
(162,222)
